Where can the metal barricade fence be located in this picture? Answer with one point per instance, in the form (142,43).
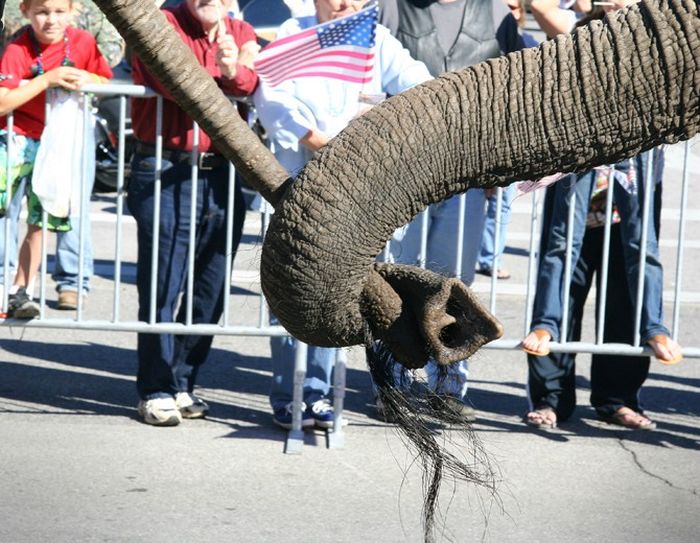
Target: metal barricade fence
(116,321)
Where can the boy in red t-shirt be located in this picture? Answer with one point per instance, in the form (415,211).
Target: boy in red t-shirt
(49,53)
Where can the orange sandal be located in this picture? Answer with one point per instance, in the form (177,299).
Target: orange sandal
(543,338)
(666,350)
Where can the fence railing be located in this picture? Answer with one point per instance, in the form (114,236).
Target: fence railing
(525,236)
(116,322)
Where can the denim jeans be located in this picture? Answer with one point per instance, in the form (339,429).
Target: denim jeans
(319,369)
(547,309)
(443,222)
(66,267)
(491,250)
(615,380)
(169,363)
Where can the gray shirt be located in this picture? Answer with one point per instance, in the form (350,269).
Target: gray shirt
(448,18)
(505,24)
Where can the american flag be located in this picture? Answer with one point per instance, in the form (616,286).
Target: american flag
(339,49)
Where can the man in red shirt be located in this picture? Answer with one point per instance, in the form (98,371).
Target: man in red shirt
(168,363)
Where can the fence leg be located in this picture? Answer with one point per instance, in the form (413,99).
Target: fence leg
(295,437)
(336,436)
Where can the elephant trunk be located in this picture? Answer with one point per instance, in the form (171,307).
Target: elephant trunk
(604,93)
(144,27)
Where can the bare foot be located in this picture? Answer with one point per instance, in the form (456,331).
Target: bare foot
(630,419)
(537,342)
(666,350)
(543,418)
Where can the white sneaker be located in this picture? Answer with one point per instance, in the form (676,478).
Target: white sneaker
(160,412)
(191,406)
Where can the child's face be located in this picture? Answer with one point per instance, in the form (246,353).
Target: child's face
(49,18)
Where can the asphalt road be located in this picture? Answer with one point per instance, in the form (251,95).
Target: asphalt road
(76,464)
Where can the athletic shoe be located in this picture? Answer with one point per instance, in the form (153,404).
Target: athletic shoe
(283,417)
(191,406)
(321,412)
(160,412)
(21,306)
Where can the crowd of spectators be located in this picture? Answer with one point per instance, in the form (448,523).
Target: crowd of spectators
(415,41)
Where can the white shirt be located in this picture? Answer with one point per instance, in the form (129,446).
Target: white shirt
(289,110)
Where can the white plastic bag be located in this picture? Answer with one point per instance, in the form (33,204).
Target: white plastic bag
(58,168)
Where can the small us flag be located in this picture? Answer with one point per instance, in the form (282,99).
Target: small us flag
(339,49)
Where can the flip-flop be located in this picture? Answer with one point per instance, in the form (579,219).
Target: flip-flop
(623,417)
(544,423)
(664,340)
(541,334)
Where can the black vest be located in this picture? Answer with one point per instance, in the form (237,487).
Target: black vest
(475,42)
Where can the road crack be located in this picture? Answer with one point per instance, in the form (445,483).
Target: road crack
(644,470)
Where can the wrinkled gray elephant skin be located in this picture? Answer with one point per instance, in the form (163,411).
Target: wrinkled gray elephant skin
(602,94)
(605,93)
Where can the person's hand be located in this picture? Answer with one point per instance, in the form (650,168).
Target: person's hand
(314,139)
(226,55)
(249,50)
(68,77)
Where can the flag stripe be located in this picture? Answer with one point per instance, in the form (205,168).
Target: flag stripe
(299,36)
(332,59)
(329,74)
(303,54)
(339,49)
(315,69)
(288,57)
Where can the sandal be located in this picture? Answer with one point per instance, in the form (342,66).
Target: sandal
(543,337)
(628,418)
(542,418)
(666,350)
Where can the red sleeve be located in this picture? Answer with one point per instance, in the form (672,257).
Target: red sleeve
(242,31)
(14,65)
(246,79)
(97,64)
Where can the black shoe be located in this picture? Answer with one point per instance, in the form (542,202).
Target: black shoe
(454,408)
(21,306)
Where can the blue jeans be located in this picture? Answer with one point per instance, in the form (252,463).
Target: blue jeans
(547,309)
(443,222)
(169,363)
(66,267)
(490,250)
(319,370)
(615,380)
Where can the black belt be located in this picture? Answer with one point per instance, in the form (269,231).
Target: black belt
(205,161)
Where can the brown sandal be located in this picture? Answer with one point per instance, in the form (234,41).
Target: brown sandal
(662,344)
(543,337)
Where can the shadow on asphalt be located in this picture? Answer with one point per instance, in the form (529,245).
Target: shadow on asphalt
(92,378)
